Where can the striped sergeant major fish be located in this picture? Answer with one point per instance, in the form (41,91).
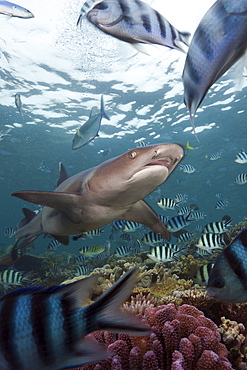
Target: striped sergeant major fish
(14,10)
(181,198)
(164,253)
(134,22)
(217,227)
(241,179)
(202,273)
(83,270)
(45,329)
(123,250)
(215,156)
(167,203)
(221,204)
(90,234)
(241,157)
(209,242)
(187,168)
(184,210)
(178,222)
(53,245)
(185,237)
(218,42)
(227,280)
(12,277)
(195,216)
(151,238)
(9,232)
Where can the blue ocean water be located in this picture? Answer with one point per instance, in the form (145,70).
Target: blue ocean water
(62,78)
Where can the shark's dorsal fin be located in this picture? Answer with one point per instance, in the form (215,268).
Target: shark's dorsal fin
(67,203)
(62,174)
(141,212)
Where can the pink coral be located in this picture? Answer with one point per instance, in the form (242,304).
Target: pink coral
(181,339)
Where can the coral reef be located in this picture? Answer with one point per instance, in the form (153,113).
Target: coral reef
(234,337)
(181,339)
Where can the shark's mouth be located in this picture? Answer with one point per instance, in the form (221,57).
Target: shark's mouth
(165,162)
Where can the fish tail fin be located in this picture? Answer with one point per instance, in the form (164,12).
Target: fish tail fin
(182,39)
(185,36)
(105,313)
(102,109)
(193,127)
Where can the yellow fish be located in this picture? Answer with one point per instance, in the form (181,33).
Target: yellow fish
(93,251)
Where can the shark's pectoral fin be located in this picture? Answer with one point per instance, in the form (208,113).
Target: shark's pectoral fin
(61,239)
(66,203)
(141,212)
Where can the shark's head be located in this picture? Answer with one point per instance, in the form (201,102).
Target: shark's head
(139,170)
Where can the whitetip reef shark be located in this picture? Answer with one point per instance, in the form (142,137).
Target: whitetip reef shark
(95,197)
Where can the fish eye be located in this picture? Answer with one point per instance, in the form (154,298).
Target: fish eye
(133,155)
(218,283)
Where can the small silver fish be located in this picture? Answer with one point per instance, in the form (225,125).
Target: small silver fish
(134,22)
(90,129)
(218,42)
(18,103)
(14,10)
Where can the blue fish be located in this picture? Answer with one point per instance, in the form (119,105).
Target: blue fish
(228,278)
(134,22)
(14,10)
(44,329)
(90,129)
(218,42)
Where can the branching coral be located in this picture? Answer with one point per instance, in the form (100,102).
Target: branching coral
(181,339)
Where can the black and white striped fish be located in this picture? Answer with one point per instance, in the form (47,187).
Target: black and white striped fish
(163,218)
(215,156)
(80,259)
(218,42)
(178,222)
(163,253)
(44,329)
(151,238)
(202,273)
(167,203)
(12,277)
(185,237)
(53,245)
(184,210)
(210,242)
(195,216)
(123,250)
(134,22)
(83,270)
(217,227)
(187,168)
(125,236)
(221,204)
(181,198)
(241,179)
(241,157)
(9,232)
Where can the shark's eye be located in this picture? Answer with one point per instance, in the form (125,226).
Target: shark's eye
(133,154)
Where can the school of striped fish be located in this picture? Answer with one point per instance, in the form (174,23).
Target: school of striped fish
(45,328)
